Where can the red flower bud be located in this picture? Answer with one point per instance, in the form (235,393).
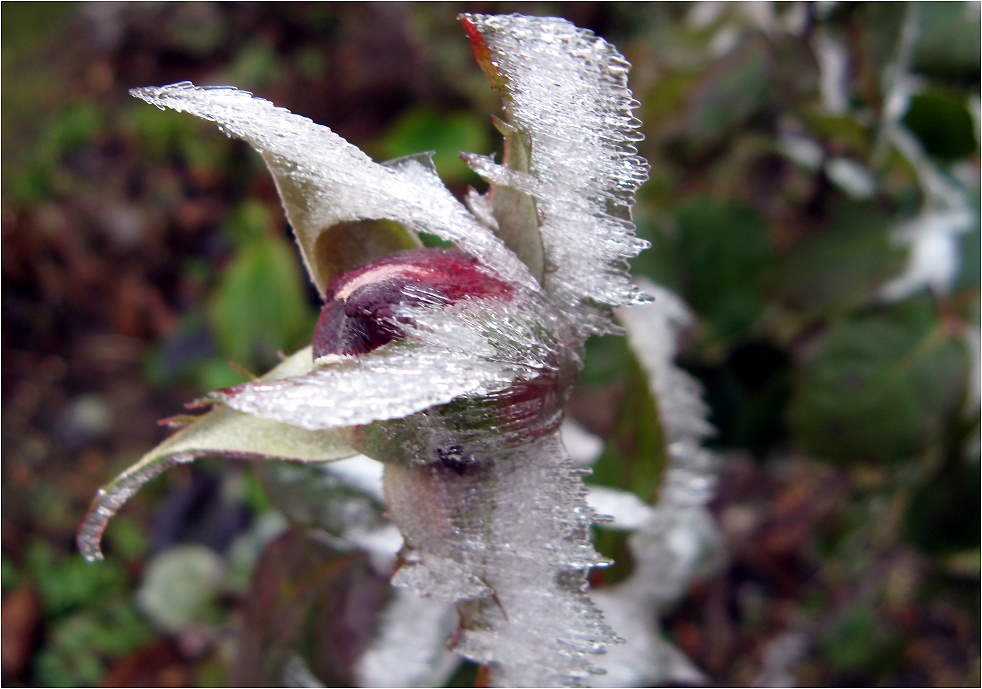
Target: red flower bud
(359,314)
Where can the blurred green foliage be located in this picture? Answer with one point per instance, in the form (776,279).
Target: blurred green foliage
(880,387)
(446,134)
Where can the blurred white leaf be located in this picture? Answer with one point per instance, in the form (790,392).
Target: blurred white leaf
(410,648)
(164,594)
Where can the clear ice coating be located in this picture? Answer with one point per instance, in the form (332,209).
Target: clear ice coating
(566,90)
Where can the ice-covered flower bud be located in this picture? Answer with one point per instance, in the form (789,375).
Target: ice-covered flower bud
(360,310)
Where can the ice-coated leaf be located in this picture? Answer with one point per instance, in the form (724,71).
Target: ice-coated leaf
(474,347)
(506,536)
(674,541)
(652,332)
(222,431)
(323,180)
(565,90)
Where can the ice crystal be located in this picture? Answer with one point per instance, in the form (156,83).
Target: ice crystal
(565,90)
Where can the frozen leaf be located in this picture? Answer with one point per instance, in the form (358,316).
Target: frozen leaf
(224,432)
(516,217)
(565,92)
(472,348)
(652,332)
(323,180)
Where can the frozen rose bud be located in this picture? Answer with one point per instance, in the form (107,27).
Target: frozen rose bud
(359,312)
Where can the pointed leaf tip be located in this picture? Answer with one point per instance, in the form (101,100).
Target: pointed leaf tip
(482,54)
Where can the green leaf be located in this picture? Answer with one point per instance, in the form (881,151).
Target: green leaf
(445,133)
(76,649)
(351,244)
(948,42)
(514,210)
(635,456)
(260,306)
(879,387)
(943,124)
(858,643)
(66,584)
(841,265)
(222,432)
(722,248)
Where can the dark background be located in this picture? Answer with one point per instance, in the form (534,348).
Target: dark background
(142,250)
